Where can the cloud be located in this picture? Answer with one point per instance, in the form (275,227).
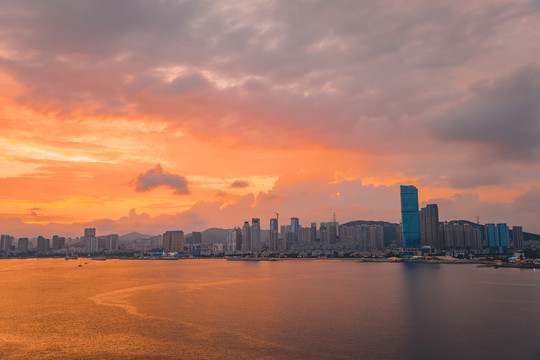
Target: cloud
(156,177)
(501,115)
(239,184)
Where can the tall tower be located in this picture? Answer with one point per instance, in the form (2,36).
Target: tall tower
(410,217)
(272,241)
(246,237)
(295,225)
(255,234)
(429,226)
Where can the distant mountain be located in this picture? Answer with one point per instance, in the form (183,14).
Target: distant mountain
(370,222)
(134,236)
(214,235)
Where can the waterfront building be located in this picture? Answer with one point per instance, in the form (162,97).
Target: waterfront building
(196,237)
(410,216)
(376,237)
(429,226)
(504,237)
(255,234)
(246,237)
(273,235)
(22,245)
(313,233)
(173,241)
(43,244)
(295,225)
(58,242)
(6,241)
(492,237)
(108,242)
(517,237)
(363,237)
(459,237)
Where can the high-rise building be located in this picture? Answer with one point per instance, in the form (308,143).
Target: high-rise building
(410,216)
(246,237)
(517,237)
(295,225)
(91,242)
(376,237)
(108,242)
(58,242)
(273,235)
(504,237)
(6,241)
(89,232)
(196,237)
(43,244)
(255,234)
(492,237)
(313,233)
(459,237)
(429,226)
(173,241)
(22,245)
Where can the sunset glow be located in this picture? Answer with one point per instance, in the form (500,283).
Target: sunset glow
(151,116)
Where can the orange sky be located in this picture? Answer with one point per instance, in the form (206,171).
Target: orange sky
(145,116)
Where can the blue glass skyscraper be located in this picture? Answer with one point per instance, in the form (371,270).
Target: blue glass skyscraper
(410,217)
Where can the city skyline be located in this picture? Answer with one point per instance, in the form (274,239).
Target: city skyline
(145,116)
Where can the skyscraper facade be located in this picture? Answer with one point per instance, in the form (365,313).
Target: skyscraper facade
(255,234)
(273,238)
(517,237)
(410,217)
(429,226)
(295,225)
(173,241)
(246,237)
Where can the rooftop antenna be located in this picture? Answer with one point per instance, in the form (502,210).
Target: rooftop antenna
(277,215)
(334,216)
(478,219)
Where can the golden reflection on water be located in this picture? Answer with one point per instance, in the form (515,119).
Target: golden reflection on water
(205,309)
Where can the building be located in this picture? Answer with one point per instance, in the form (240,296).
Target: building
(410,217)
(173,241)
(429,226)
(517,237)
(295,227)
(376,237)
(492,237)
(58,242)
(6,241)
(313,233)
(246,237)
(108,242)
(90,232)
(273,235)
(91,242)
(43,244)
(504,237)
(196,237)
(22,245)
(255,234)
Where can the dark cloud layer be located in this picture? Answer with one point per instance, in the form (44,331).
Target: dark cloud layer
(156,177)
(502,115)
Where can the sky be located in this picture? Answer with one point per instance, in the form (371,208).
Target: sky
(149,116)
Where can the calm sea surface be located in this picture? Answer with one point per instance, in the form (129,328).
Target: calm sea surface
(329,309)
